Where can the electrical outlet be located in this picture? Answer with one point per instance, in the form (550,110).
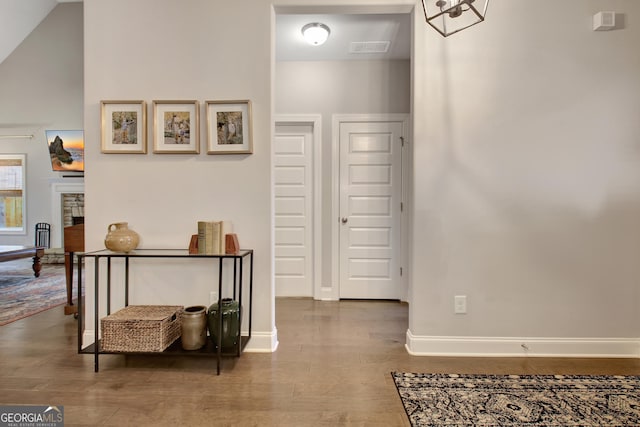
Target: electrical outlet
(460,304)
(213,297)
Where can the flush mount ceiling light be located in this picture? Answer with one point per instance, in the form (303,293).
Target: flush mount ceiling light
(450,16)
(315,33)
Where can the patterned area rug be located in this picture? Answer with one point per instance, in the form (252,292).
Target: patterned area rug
(23,295)
(519,400)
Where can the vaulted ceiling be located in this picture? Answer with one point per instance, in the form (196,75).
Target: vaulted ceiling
(353,36)
(17,19)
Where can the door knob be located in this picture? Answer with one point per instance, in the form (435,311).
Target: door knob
(344,220)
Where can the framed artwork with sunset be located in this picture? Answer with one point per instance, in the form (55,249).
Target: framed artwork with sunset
(66,149)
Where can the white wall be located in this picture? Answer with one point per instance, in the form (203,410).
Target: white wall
(346,87)
(41,88)
(527,182)
(525,159)
(195,50)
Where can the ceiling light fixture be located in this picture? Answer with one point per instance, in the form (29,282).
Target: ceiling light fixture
(315,33)
(450,16)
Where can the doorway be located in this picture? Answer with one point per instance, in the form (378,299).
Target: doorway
(368,84)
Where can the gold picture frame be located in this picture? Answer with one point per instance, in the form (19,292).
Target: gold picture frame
(124,127)
(229,128)
(176,127)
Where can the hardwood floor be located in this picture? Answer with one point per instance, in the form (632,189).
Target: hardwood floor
(332,368)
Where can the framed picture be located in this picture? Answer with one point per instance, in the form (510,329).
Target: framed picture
(66,149)
(175,127)
(229,127)
(124,127)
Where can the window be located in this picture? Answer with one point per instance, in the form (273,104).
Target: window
(12,194)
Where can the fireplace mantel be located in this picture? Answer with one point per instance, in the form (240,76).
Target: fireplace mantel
(58,188)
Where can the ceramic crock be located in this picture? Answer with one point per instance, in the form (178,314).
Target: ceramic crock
(194,327)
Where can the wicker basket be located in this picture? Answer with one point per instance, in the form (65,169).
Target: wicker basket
(141,328)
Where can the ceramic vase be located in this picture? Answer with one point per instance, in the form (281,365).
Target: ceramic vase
(194,327)
(120,238)
(230,323)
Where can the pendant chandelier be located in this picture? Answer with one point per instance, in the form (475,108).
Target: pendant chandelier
(450,16)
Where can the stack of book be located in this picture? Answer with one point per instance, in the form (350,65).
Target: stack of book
(211,236)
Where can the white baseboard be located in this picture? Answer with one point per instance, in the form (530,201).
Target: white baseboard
(326,294)
(88,338)
(263,342)
(522,346)
(260,342)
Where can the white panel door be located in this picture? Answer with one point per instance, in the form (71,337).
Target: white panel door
(370,196)
(293,194)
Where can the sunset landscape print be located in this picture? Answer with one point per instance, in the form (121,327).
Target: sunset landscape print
(66,148)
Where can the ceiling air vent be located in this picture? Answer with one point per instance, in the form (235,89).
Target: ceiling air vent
(369,47)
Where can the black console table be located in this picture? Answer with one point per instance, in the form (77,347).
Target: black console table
(237,260)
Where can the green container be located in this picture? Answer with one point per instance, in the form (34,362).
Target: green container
(230,323)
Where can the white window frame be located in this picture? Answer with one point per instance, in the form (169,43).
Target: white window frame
(18,230)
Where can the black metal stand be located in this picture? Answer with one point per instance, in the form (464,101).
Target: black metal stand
(238,261)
